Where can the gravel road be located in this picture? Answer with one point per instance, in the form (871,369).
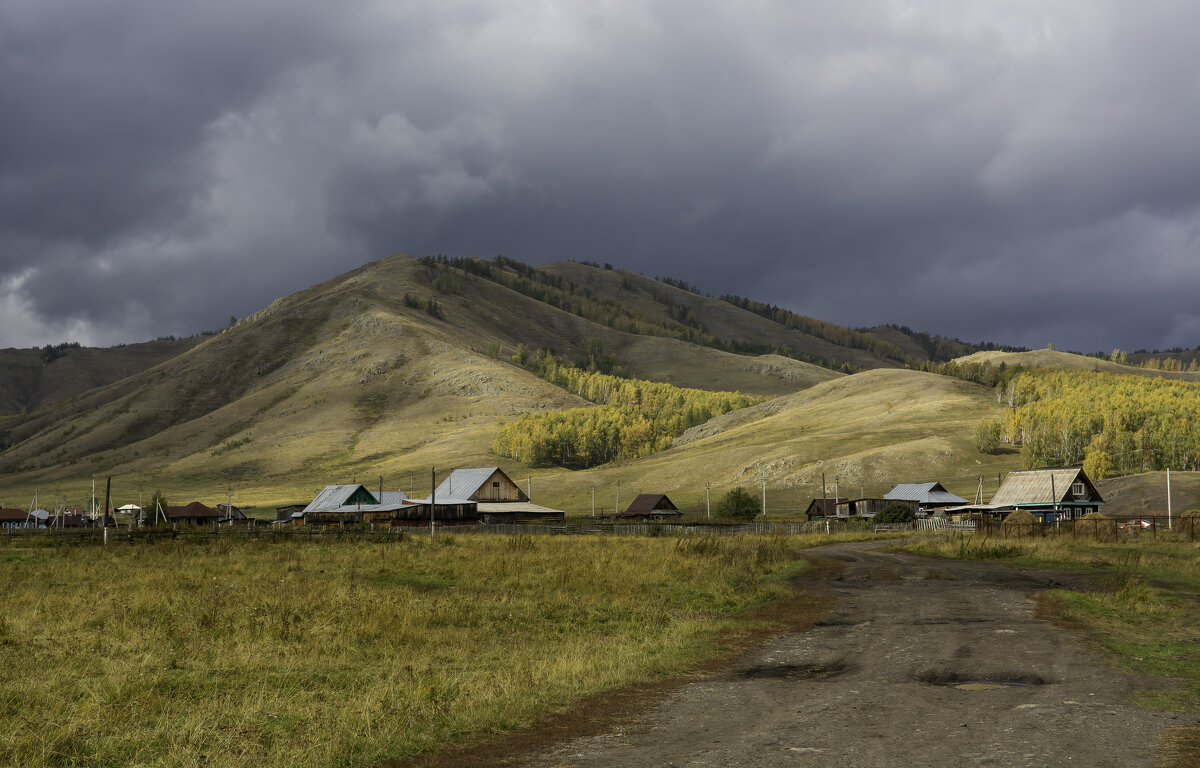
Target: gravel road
(873,684)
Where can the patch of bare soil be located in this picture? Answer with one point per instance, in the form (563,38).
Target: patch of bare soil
(918,664)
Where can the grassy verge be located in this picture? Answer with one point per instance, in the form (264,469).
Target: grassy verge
(347,653)
(1146,616)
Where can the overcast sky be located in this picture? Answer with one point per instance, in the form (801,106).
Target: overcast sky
(1019,172)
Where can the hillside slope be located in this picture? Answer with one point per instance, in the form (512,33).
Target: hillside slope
(663,303)
(1056,360)
(34,378)
(864,432)
(351,378)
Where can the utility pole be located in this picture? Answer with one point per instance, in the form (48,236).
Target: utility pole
(432,498)
(617,508)
(410,485)
(107,496)
(764,489)
(229,503)
(824,497)
(1168,497)
(529,487)
(707,501)
(593,499)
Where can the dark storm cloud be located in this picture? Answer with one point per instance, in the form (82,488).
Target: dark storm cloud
(1017,172)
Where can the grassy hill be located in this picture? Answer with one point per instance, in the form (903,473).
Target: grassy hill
(1146,494)
(1054,359)
(868,432)
(349,380)
(664,303)
(36,378)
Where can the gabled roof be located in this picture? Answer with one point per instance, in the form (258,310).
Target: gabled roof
(334,496)
(923,493)
(826,505)
(193,510)
(1043,486)
(465,483)
(650,503)
(17,515)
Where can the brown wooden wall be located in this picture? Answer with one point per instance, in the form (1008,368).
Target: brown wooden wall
(499,487)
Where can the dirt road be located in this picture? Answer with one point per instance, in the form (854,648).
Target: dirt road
(870,686)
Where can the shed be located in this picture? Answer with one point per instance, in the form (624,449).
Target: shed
(867,507)
(927,496)
(826,506)
(483,484)
(519,512)
(1048,494)
(651,506)
(285,512)
(230,512)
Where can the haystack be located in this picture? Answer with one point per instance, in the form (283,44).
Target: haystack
(1020,524)
(1097,526)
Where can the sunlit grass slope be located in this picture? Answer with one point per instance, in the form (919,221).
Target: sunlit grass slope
(346,653)
(344,381)
(868,432)
(1055,359)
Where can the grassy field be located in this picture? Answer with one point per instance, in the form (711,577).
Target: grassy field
(1145,616)
(339,653)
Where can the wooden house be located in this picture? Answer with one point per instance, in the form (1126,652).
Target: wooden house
(484,484)
(193,514)
(650,506)
(1049,494)
(17,518)
(929,497)
(351,504)
(823,507)
(499,499)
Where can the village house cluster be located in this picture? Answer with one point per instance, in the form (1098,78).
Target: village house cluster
(487,495)
(1050,495)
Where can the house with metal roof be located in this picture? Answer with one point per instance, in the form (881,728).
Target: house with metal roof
(485,484)
(1049,494)
(928,497)
(340,504)
(651,506)
(499,499)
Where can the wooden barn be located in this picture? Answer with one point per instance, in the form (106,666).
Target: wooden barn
(484,484)
(650,506)
(824,507)
(928,497)
(1049,494)
(499,499)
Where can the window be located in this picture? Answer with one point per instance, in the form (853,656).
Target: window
(1078,491)
(496,484)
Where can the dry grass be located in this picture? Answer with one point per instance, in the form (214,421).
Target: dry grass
(345,653)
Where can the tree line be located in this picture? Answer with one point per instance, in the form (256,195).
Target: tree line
(1112,424)
(633,417)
